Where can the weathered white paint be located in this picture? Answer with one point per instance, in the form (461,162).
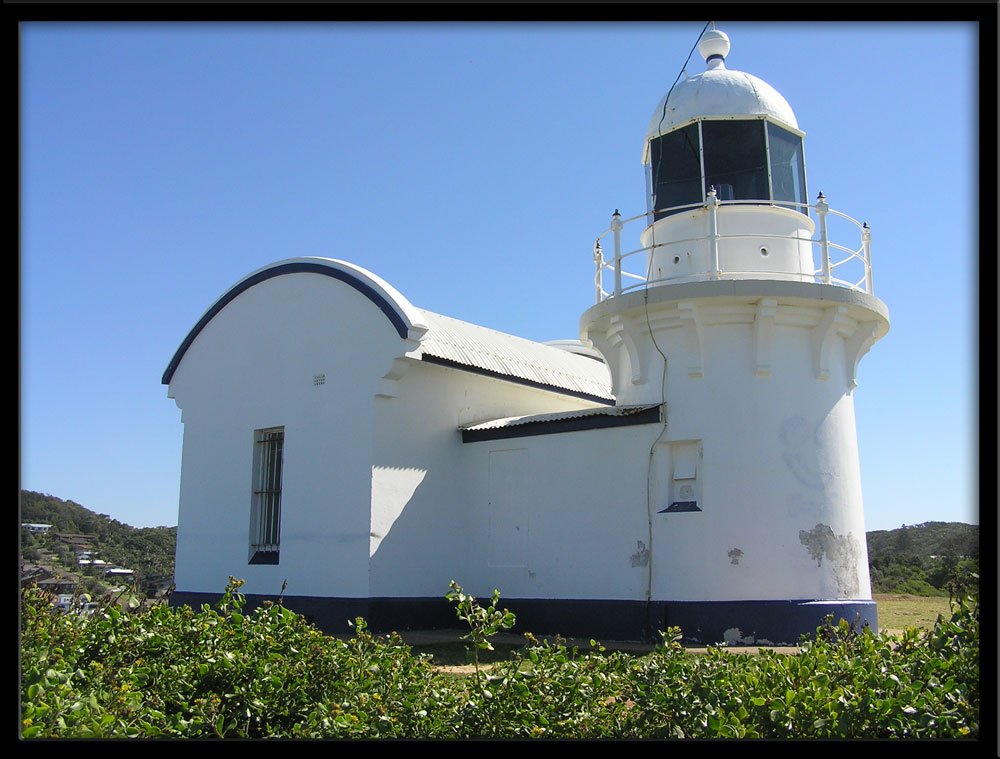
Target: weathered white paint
(757,367)
(779,449)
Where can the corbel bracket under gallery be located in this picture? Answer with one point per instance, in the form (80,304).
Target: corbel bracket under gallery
(691,326)
(823,336)
(618,335)
(856,346)
(763,335)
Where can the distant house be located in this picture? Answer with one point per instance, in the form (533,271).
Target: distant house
(36,528)
(92,562)
(57,585)
(118,572)
(69,602)
(32,574)
(77,542)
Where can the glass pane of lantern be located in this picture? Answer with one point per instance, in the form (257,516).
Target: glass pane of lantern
(788,173)
(736,159)
(676,169)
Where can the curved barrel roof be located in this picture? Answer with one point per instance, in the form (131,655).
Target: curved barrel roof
(443,340)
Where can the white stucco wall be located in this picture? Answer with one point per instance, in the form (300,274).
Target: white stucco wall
(376,498)
(779,457)
(252,367)
(763,388)
(425,492)
(381,498)
(584,517)
(746,232)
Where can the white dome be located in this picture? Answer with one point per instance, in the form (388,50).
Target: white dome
(719,92)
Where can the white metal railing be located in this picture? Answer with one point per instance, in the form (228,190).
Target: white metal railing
(824,274)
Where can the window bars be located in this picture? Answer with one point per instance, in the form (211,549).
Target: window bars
(265,521)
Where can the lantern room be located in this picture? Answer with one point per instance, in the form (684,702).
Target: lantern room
(751,159)
(723,129)
(723,157)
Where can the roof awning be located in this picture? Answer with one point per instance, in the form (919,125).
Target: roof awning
(561,421)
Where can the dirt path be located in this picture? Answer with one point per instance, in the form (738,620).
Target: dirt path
(432,637)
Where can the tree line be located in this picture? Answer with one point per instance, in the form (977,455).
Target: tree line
(928,559)
(919,559)
(149,551)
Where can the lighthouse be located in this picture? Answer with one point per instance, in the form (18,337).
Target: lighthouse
(745,317)
(691,461)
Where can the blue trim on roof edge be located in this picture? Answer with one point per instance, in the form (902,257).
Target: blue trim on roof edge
(297,267)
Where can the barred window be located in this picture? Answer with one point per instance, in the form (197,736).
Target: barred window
(265,512)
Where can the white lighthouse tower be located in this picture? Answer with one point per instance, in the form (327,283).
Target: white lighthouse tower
(745,317)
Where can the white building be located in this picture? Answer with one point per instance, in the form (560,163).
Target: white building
(691,461)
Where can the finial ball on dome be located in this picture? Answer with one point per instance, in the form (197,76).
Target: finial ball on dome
(713,42)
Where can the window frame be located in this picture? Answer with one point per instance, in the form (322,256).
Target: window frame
(680,467)
(266,489)
(767,124)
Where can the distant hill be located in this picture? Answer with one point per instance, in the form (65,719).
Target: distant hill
(921,559)
(147,550)
(927,539)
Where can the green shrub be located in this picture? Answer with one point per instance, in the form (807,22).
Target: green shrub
(180,672)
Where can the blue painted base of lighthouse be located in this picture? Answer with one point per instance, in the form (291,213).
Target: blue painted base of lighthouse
(703,622)
(763,622)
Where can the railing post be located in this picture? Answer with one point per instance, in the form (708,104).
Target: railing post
(822,207)
(712,201)
(866,243)
(599,267)
(616,227)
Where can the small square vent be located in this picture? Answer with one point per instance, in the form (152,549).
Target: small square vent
(319,379)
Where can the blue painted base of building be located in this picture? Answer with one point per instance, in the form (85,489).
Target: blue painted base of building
(703,622)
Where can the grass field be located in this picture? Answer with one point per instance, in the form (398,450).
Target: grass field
(897,612)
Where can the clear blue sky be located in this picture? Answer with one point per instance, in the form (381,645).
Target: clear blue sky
(471,166)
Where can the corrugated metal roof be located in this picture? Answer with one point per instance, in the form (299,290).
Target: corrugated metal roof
(506,355)
(513,421)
